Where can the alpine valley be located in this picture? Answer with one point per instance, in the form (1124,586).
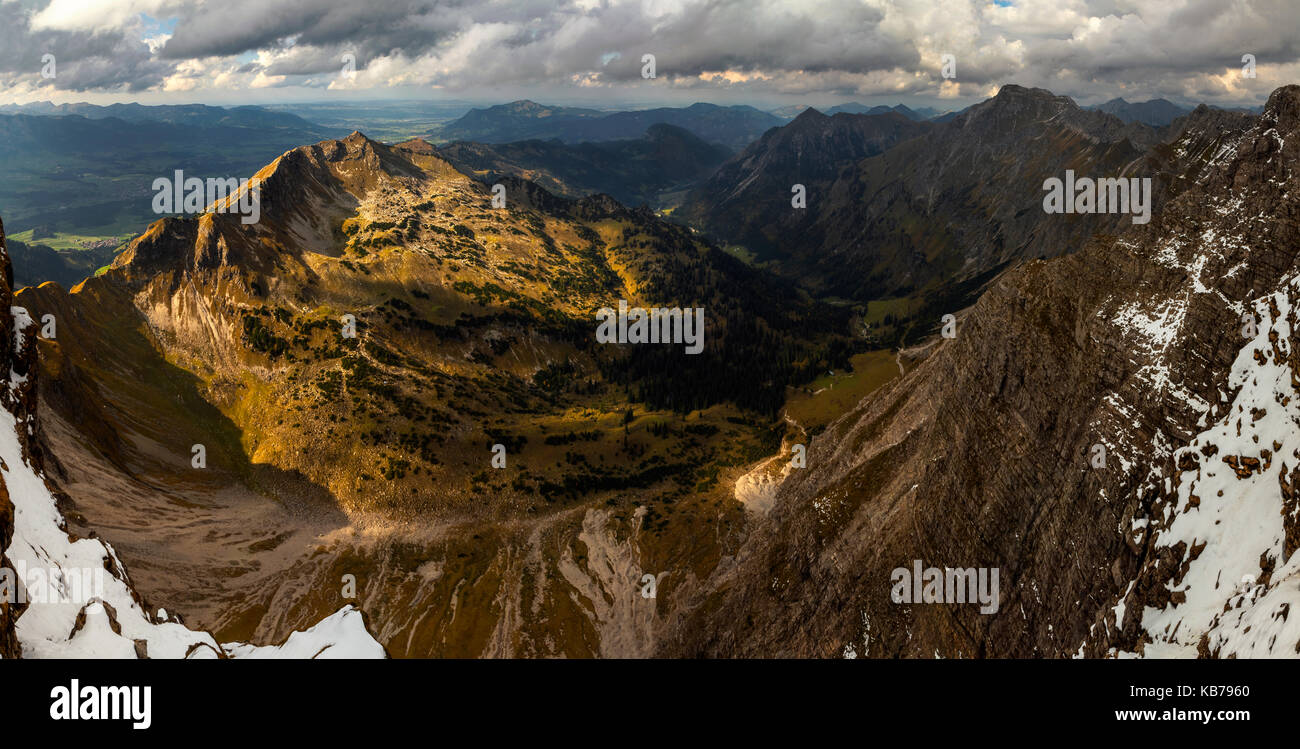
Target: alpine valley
(380,419)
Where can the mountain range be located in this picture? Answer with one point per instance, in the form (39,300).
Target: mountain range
(326,453)
(733,126)
(944,203)
(191,115)
(382,417)
(853,107)
(1119,426)
(91,177)
(634,171)
(1156,112)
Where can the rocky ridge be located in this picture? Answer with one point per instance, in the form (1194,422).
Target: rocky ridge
(986,454)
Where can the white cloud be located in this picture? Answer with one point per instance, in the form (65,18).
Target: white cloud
(94,15)
(1090,49)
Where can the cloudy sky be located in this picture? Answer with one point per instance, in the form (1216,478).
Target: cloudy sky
(765,52)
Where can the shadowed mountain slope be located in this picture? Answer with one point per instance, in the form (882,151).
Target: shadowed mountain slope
(1114,430)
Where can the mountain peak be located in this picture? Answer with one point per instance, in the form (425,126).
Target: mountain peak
(1283,108)
(1013,91)
(355,146)
(1017,106)
(302,197)
(809,115)
(663,130)
(416,145)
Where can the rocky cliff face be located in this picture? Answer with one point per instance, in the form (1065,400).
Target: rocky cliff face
(16,400)
(1106,429)
(1212,568)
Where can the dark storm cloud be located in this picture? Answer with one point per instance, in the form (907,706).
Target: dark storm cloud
(555,38)
(748,36)
(381,26)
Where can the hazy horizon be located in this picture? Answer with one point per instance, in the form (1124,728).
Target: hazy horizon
(603,105)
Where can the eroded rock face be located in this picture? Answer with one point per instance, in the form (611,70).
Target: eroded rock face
(8,611)
(984,455)
(20,398)
(1214,534)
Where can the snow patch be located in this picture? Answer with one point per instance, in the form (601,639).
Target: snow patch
(113,624)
